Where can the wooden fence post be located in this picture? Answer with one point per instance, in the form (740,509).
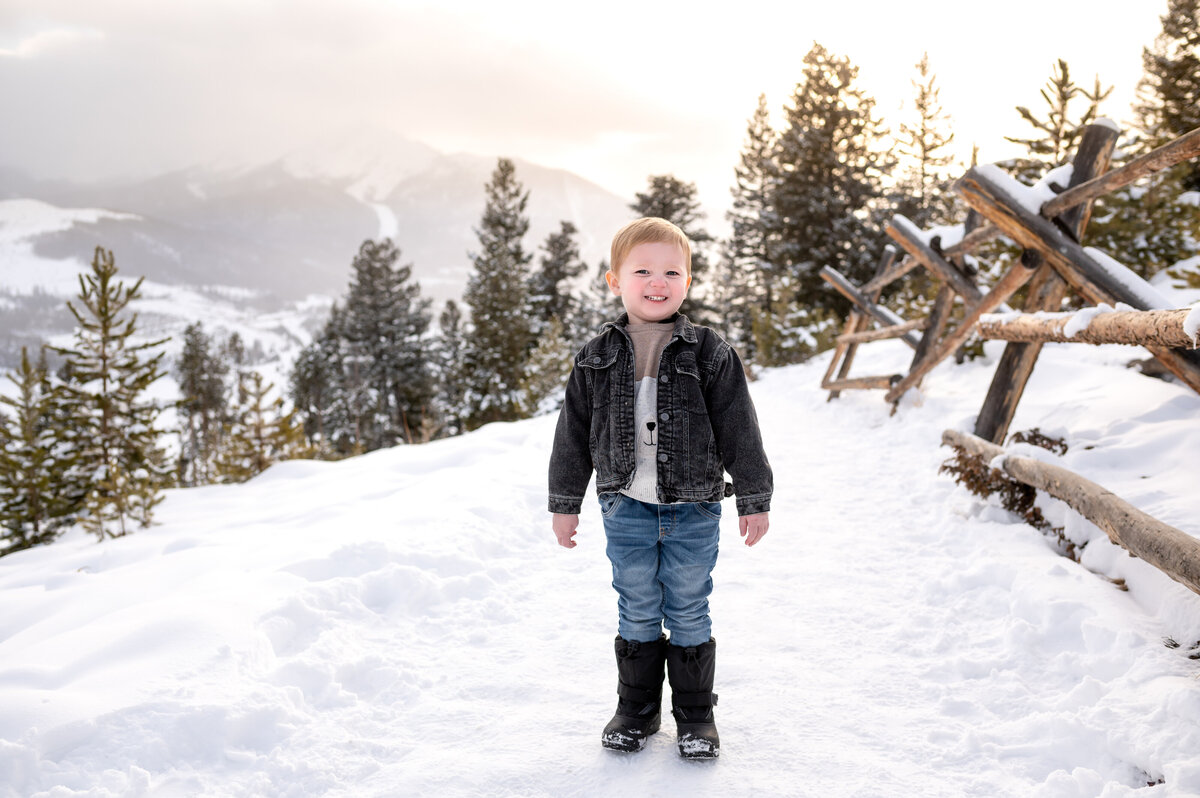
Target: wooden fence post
(1046,292)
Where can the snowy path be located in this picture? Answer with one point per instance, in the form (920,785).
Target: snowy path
(402,624)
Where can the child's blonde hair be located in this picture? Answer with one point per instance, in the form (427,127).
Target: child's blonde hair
(648,230)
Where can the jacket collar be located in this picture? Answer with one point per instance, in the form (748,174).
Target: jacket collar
(683,328)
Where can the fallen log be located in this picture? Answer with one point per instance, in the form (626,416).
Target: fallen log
(1181,149)
(879,313)
(1135,327)
(894,273)
(1172,551)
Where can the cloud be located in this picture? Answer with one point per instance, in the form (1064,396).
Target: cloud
(48,41)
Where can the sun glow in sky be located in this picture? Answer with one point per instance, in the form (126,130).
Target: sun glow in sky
(615,91)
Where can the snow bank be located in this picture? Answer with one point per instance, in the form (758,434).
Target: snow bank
(403,624)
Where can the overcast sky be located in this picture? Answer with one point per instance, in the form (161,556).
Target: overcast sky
(614,91)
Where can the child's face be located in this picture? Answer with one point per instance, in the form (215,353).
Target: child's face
(652,281)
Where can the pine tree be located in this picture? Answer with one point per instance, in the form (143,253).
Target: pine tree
(260,432)
(670,198)
(924,192)
(448,359)
(1168,98)
(1154,224)
(201,374)
(40,486)
(1058,134)
(550,295)
(108,377)
(597,306)
(752,271)
(549,366)
(497,349)
(385,324)
(826,200)
(313,388)
(923,146)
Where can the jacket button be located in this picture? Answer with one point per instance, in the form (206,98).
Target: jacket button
(664,416)
(664,379)
(662,458)
(596,360)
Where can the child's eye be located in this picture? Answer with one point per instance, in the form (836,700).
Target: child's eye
(642,271)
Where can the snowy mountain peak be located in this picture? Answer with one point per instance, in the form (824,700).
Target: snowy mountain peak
(373,161)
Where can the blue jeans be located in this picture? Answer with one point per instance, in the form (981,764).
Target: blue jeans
(662,559)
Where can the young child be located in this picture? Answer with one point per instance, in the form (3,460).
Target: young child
(658,407)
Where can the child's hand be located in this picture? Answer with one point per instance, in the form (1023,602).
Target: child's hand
(753,527)
(564,529)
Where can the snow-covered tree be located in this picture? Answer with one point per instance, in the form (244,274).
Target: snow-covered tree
(751,272)
(107,378)
(1168,97)
(260,431)
(830,158)
(41,488)
(385,324)
(496,350)
(550,294)
(202,374)
(448,360)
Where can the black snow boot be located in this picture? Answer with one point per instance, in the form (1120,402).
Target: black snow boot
(639,692)
(691,671)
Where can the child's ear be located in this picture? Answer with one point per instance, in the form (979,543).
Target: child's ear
(613,285)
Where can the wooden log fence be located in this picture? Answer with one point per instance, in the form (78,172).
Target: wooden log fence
(1172,551)
(1052,264)
(1165,328)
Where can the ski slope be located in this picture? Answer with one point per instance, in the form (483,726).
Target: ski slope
(403,624)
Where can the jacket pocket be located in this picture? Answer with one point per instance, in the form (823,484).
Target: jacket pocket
(601,377)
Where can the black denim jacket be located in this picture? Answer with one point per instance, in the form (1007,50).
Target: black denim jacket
(706,423)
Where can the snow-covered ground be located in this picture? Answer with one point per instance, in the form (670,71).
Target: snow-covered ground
(403,624)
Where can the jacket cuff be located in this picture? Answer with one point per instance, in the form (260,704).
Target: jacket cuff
(566,505)
(751,505)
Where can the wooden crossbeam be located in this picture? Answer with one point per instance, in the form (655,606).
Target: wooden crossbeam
(875,383)
(878,312)
(982,190)
(1135,327)
(894,331)
(1181,149)
(1006,287)
(905,233)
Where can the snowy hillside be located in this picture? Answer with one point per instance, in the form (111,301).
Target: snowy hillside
(402,624)
(289,227)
